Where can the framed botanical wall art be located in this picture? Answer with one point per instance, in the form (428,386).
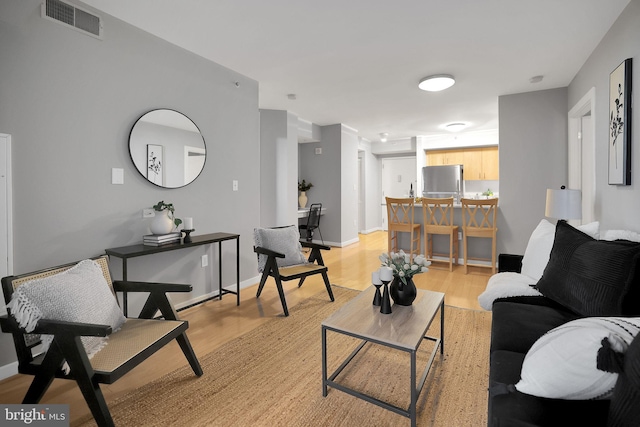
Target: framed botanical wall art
(155,164)
(620,124)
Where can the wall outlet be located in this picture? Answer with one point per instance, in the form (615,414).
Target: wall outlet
(459,235)
(205,260)
(148,213)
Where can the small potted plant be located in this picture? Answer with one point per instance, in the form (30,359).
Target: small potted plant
(163,223)
(303,187)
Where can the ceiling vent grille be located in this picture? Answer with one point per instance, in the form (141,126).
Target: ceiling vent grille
(79,19)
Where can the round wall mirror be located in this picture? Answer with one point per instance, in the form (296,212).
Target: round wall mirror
(167,148)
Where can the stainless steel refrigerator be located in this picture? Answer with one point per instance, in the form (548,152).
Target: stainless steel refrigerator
(443,181)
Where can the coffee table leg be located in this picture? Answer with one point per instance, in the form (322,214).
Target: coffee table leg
(324,362)
(414,391)
(442,327)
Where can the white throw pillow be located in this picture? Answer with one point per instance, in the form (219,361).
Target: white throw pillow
(508,284)
(536,255)
(632,236)
(79,294)
(562,364)
(285,240)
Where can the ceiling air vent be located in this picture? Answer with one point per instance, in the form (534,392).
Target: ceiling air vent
(72,16)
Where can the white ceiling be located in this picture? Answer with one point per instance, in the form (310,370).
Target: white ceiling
(358,62)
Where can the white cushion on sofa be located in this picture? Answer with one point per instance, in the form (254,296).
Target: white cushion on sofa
(562,363)
(621,235)
(536,256)
(504,285)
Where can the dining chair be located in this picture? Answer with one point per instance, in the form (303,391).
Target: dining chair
(400,214)
(479,220)
(437,218)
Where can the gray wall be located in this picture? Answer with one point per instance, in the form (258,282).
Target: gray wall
(69,102)
(278,168)
(323,170)
(533,157)
(616,206)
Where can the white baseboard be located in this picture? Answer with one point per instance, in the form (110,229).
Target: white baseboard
(371,230)
(9,370)
(243,284)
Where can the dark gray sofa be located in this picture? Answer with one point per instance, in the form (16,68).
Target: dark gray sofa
(573,287)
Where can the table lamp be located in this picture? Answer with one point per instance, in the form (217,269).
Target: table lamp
(564,204)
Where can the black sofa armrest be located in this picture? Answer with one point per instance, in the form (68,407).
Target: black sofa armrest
(509,262)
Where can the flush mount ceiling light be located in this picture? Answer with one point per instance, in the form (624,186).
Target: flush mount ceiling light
(455,127)
(436,82)
(384,136)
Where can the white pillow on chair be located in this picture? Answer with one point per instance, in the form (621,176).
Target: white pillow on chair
(285,240)
(78,294)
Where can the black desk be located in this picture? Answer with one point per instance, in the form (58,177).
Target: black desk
(132,251)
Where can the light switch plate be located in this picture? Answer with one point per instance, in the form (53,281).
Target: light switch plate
(235,185)
(117,176)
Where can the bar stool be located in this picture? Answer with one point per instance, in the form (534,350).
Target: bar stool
(400,215)
(479,220)
(437,215)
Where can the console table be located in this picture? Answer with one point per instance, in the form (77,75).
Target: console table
(126,252)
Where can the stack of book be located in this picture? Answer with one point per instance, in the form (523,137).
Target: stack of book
(160,239)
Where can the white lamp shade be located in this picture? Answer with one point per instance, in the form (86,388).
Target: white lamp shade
(564,204)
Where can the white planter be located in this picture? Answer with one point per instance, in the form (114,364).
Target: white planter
(161,223)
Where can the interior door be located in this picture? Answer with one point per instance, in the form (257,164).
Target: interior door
(398,175)
(6,246)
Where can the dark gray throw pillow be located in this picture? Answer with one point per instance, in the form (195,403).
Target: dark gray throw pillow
(592,277)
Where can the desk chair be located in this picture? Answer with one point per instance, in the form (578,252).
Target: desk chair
(400,220)
(479,220)
(437,215)
(313,223)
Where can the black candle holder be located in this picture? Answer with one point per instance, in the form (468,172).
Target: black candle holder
(385,306)
(377,298)
(187,237)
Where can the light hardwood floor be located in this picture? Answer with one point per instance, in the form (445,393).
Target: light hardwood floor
(215,322)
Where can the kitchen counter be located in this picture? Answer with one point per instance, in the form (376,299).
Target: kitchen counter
(478,247)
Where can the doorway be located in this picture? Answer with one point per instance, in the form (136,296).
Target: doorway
(6,231)
(581,150)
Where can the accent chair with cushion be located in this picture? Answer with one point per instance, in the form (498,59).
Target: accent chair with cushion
(66,323)
(280,256)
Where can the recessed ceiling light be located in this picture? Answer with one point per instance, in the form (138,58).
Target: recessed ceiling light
(384,136)
(436,82)
(536,79)
(455,127)
(292,96)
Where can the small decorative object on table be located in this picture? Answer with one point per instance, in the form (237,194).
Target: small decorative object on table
(386,274)
(303,187)
(164,222)
(375,279)
(188,229)
(402,289)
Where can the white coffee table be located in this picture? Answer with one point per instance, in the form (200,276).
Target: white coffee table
(360,319)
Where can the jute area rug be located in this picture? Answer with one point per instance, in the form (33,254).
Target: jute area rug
(272,376)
